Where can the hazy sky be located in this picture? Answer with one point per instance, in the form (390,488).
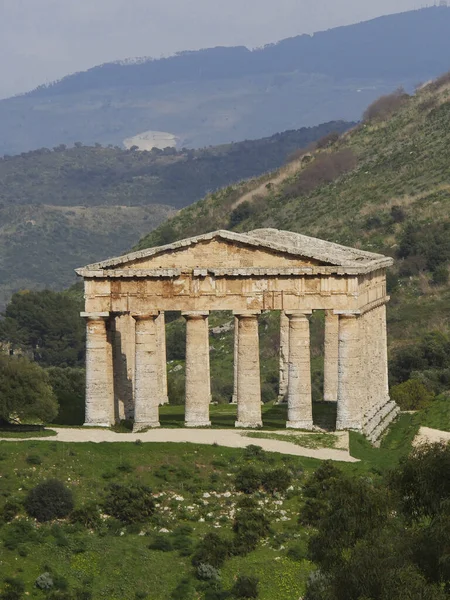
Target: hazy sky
(41,40)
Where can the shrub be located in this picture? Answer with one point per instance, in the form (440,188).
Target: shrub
(49,500)
(327,140)
(251,452)
(212,550)
(184,591)
(18,532)
(246,587)
(441,275)
(87,515)
(207,572)
(277,480)
(411,395)
(385,106)
(161,543)
(10,509)
(13,589)
(297,552)
(33,459)
(250,525)
(248,480)
(44,581)
(241,213)
(324,169)
(129,503)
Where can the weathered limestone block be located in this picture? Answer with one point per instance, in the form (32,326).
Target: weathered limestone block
(123,361)
(330,383)
(248,375)
(350,383)
(235,361)
(299,390)
(99,372)
(198,384)
(147,394)
(162,352)
(284,358)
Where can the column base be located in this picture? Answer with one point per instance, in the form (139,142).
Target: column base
(197,424)
(137,427)
(233,400)
(329,398)
(164,400)
(282,400)
(300,425)
(107,425)
(247,425)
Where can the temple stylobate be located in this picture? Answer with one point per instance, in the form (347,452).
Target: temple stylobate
(246,273)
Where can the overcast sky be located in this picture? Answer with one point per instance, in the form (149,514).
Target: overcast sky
(42,40)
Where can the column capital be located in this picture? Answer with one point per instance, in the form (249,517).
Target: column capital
(246,313)
(97,316)
(348,314)
(151,314)
(195,314)
(298,314)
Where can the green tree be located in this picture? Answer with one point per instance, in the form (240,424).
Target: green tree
(25,392)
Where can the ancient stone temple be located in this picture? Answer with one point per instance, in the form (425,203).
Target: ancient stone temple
(246,273)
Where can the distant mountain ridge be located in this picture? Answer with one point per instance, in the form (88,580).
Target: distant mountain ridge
(421,35)
(219,95)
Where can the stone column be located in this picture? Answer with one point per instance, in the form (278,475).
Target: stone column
(331,357)
(235,361)
(299,390)
(248,372)
(198,383)
(284,358)
(162,353)
(99,372)
(350,383)
(147,394)
(384,380)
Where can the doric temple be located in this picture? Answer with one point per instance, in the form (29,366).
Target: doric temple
(246,273)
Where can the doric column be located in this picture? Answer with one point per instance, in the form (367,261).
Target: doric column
(99,372)
(198,382)
(235,361)
(147,389)
(331,357)
(384,379)
(350,383)
(299,390)
(162,353)
(284,358)
(248,372)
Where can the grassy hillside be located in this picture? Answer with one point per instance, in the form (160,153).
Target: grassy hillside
(71,206)
(218,95)
(384,186)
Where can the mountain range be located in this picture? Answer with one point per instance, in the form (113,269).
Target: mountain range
(220,95)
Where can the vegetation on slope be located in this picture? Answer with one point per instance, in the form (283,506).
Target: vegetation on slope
(68,207)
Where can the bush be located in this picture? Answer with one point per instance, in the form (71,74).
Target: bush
(10,509)
(411,395)
(385,106)
(246,587)
(129,503)
(297,552)
(184,591)
(327,140)
(18,532)
(207,572)
(33,459)
(441,275)
(241,213)
(49,500)
(161,543)
(212,550)
(248,480)
(13,589)
(87,515)
(250,525)
(252,451)
(277,480)
(44,581)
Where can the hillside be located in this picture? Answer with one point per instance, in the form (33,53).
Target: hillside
(71,206)
(218,95)
(384,186)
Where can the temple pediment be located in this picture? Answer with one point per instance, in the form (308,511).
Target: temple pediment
(262,250)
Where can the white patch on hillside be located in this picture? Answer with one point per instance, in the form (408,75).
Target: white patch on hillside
(151,139)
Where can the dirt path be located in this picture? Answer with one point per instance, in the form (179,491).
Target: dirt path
(427,435)
(223,437)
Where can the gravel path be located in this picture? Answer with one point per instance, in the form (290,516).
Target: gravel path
(427,435)
(233,438)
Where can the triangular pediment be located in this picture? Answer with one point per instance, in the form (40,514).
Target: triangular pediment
(262,248)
